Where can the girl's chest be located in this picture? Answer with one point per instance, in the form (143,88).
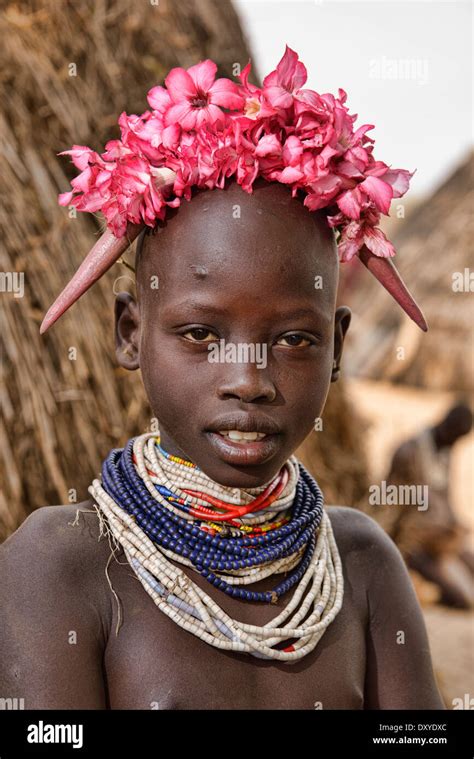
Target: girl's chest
(155,664)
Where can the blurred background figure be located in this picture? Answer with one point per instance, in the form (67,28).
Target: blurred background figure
(433,541)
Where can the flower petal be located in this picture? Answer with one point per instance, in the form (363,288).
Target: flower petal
(349,203)
(268,145)
(399,180)
(181,113)
(65,198)
(292,150)
(159,99)
(290,174)
(202,74)
(278,97)
(378,191)
(170,136)
(180,85)
(80,155)
(377,243)
(290,73)
(209,114)
(226,93)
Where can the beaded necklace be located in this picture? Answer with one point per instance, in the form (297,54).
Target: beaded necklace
(161,508)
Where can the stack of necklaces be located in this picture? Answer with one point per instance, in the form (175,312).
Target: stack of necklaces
(161,508)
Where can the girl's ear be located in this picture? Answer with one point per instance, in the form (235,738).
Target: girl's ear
(127,331)
(342,319)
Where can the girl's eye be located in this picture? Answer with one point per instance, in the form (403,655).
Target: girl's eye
(294,341)
(200,335)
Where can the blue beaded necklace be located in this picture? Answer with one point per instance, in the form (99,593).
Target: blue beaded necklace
(209,553)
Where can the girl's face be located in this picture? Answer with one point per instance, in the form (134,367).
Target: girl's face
(236,330)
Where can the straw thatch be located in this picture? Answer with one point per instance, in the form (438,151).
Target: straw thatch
(335,454)
(434,247)
(66,71)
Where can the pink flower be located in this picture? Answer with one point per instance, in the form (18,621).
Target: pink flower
(355,235)
(399,180)
(81,156)
(280,85)
(196,96)
(146,134)
(208,130)
(372,189)
(92,165)
(119,183)
(255,105)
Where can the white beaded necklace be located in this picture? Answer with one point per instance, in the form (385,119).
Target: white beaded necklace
(314,604)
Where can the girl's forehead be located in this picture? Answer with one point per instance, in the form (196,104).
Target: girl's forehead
(231,225)
(279,261)
(229,244)
(239,281)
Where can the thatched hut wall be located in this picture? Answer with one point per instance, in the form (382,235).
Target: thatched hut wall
(434,253)
(335,451)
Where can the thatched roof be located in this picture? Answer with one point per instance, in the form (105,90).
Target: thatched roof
(433,244)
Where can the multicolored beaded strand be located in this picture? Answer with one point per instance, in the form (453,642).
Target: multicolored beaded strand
(155,514)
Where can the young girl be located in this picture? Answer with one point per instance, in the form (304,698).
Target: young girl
(233,586)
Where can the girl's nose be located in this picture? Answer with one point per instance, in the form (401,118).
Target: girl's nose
(247,382)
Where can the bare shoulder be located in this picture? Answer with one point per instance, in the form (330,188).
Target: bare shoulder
(69,533)
(399,671)
(358,531)
(369,552)
(56,610)
(56,544)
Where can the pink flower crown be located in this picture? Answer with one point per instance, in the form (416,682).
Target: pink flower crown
(280,132)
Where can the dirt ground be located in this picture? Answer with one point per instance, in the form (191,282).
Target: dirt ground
(395,413)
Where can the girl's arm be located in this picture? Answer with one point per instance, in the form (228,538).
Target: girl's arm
(52,634)
(399,672)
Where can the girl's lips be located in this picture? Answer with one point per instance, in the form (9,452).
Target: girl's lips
(245,452)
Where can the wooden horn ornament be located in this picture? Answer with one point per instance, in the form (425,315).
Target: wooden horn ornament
(109,248)
(103,255)
(384,270)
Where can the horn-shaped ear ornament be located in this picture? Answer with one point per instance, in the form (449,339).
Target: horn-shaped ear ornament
(384,270)
(106,251)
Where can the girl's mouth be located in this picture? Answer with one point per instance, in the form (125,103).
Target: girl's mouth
(243,448)
(238,436)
